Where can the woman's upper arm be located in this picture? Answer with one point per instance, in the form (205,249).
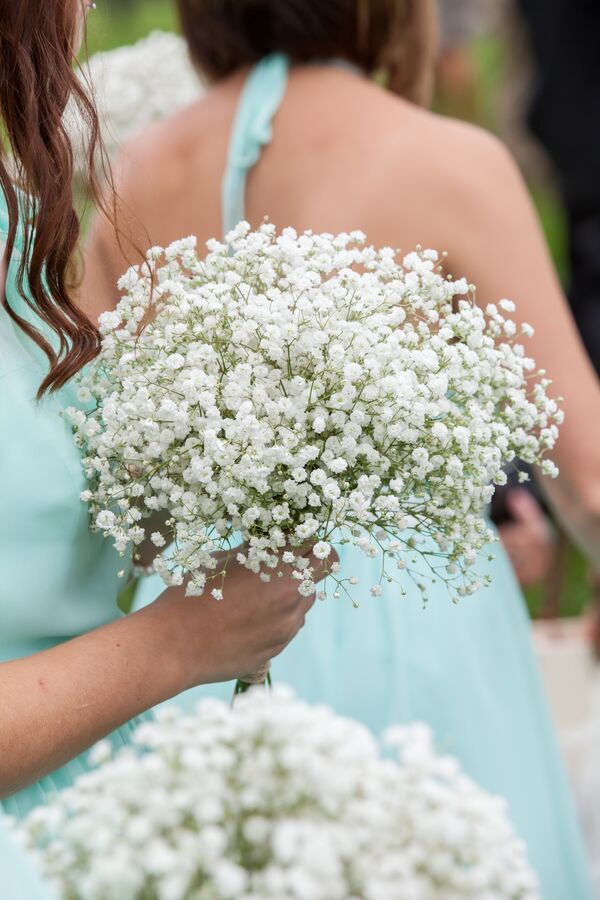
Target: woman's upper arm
(497,243)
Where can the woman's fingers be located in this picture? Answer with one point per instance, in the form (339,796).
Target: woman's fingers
(308,604)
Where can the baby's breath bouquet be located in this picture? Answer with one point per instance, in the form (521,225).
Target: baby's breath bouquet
(276,800)
(305,390)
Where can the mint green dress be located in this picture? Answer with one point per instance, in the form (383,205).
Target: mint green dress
(57,579)
(467,670)
(18,880)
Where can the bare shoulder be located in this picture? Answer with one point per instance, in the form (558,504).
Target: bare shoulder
(152,180)
(450,178)
(472,161)
(162,156)
(455,157)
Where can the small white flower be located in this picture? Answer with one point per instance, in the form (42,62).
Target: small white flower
(322,550)
(549,468)
(105,520)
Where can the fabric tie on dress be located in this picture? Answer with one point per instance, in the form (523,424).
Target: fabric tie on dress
(260,100)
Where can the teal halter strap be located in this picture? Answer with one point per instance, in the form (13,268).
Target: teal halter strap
(260,99)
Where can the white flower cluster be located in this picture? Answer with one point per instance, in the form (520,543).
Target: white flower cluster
(276,799)
(305,390)
(133,87)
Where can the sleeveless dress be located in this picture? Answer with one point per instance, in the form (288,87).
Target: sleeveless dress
(57,579)
(468,670)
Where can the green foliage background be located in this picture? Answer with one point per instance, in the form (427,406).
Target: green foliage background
(117,22)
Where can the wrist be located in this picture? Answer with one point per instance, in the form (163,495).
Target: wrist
(183,628)
(170,662)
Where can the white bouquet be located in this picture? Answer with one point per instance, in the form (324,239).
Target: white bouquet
(300,390)
(276,799)
(133,87)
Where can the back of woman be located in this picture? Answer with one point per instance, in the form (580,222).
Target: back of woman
(318,145)
(334,129)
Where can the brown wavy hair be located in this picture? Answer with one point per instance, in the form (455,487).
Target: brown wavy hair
(38,39)
(396,38)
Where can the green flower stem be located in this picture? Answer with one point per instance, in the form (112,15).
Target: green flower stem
(242,687)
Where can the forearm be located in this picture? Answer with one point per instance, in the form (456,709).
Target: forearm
(578,513)
(575,494)
(57,703)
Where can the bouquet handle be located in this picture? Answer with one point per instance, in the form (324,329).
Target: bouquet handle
(262,677)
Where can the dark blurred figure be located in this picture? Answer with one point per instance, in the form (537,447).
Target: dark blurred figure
(565,117)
